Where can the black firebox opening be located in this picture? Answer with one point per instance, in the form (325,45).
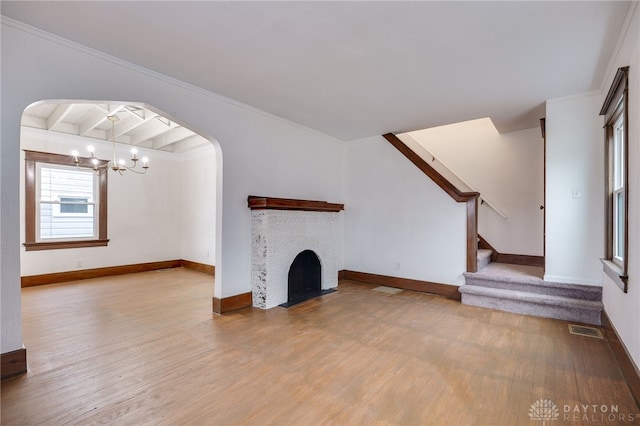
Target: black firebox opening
(305,279)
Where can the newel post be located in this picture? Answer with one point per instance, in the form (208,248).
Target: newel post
(472,234)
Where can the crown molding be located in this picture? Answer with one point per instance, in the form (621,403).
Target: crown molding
(574,96)
(37,32)
(633,7)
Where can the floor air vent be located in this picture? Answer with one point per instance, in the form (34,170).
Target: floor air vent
(583,330)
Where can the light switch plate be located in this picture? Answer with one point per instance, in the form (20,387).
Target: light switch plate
(576,192)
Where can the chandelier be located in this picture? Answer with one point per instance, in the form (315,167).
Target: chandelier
(119,165)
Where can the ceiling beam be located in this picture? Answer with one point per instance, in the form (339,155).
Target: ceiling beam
(153,129)
(172,136)
(58,115)
(132,122)
(33,121)
(95,119)
(137,112)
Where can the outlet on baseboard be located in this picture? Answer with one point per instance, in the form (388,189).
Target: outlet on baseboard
(79,263)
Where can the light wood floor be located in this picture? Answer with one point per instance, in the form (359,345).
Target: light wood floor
(145,349)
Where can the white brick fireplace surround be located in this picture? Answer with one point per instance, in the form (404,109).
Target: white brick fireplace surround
(280,230)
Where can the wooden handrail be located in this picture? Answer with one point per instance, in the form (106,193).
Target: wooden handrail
(471,198)
(482,199)
(441,181)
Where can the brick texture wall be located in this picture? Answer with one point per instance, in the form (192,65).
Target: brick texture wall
(278,236)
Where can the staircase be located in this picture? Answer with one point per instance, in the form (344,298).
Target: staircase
(512,288)
(521,289)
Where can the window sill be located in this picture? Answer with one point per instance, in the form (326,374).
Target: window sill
(616,273)
(54,245)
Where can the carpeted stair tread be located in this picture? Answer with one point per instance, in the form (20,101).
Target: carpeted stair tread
(542,305)
(534,285)
(527,278)
(521,289)
(543,299)
(483,258)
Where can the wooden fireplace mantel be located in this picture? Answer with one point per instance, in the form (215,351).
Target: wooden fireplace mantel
(269,203)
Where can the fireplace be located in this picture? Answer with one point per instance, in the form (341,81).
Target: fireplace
(305,279)
(296,245)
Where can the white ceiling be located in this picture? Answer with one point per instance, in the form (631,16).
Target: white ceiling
(356,69)
(134,125)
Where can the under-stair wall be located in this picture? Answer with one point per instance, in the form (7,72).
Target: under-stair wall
(398,222)
(470,198)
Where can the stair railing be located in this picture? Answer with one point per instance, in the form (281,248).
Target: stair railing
(483,200)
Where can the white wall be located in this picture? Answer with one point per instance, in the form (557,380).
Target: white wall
(624,309)
(396,214)
(142,212)
(262,154)
(507,170)
(167,214)
(575,163)
(198,200)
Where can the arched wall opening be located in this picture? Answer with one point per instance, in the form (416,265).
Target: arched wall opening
(172,213)
(263,153)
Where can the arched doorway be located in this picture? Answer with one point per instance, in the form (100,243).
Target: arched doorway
(170,216)
(170,213)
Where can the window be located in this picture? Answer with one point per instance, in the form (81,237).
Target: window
(65,204)
(618,190)
(615,110)
(73,205)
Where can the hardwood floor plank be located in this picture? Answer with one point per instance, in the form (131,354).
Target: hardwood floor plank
(146,349)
